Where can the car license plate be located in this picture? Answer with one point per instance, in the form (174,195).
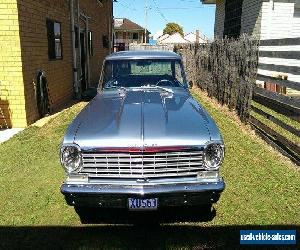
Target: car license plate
(142,204)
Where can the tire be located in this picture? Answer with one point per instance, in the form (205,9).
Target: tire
(206,212)
(87,215)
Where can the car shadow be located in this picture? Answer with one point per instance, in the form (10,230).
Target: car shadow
(163,215)
(174,236)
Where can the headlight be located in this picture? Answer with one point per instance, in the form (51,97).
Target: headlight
(213,156)
(71,159)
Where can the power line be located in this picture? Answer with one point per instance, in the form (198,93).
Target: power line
(190,1)
(146,20)
(161,14)
(183,8)
(128,7)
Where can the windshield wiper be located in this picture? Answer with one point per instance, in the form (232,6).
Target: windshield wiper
(158,87)
(116,87)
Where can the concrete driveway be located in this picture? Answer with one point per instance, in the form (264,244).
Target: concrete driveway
(6,134)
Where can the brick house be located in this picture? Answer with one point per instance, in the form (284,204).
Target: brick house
(127,32)
(67,40)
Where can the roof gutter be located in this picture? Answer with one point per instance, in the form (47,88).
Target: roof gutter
(208,1)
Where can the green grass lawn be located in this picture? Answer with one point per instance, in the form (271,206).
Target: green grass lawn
(263,189)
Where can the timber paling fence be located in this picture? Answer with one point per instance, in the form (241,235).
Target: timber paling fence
(227,70)
(279,71)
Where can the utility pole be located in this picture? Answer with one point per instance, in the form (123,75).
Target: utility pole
(146,20)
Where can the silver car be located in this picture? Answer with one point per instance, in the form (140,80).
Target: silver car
(143,143)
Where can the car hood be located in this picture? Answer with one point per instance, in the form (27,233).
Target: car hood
(143,118)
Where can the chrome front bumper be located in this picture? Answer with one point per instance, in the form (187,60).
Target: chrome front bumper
(116,195)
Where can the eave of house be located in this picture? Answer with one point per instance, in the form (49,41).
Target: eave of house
(208,1)
(131,30)
(214,2)
(128,30)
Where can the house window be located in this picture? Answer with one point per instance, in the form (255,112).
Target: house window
(76,37)
(135,36)
(54,40)
(233,17)
(90,43)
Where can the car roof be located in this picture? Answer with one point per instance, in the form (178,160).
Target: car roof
(143,54)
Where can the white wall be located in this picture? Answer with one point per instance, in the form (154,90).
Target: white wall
(280,19)
(267,19)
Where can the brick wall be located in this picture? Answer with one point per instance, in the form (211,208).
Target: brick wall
(12,101)
(100,20)
(24,51)
(280,19)
(34,48)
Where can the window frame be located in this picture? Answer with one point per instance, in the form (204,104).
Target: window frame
(137,36)
(50,57)
(90,43)
(233,18)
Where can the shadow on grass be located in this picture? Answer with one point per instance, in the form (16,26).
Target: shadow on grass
(121,229)
(163,215)
(182,236)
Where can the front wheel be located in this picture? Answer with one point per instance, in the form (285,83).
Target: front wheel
(98,215)
(205,212)
(87,215)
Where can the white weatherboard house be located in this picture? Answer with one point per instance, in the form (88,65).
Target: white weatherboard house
(178,39)
(172,39)
(192,37)
(264,19)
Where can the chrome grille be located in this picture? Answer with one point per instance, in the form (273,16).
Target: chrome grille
(142,165)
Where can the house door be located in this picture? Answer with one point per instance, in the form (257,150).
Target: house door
(83,61)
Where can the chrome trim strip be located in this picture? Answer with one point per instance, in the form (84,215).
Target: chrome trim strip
(146,189)
(156,149)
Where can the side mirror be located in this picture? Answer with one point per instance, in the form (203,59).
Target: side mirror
(89,94)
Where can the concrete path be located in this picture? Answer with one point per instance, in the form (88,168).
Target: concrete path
(6,134)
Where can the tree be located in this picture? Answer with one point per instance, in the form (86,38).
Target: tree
(172,28)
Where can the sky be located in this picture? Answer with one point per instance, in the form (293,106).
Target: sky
(190,14)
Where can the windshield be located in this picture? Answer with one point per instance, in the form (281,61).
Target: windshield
(143,72)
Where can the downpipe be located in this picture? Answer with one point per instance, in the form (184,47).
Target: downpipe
(75,70)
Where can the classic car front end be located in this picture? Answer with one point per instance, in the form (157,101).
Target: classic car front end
(143,142)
